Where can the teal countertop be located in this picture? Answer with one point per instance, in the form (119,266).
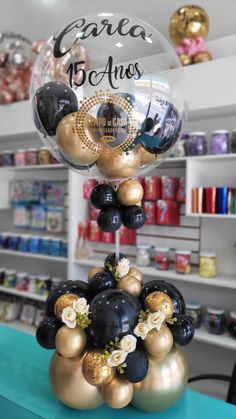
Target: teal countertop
(25,389)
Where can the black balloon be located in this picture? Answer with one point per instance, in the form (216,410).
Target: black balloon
(51,103)
(182,329)
(114,313)
(79,288)
(103,196)
(137,366)
(109,219)
(102,281)
(110,262)
(171,290)
(46,332)
(133,217)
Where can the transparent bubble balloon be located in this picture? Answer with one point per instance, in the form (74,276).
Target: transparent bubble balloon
(107,96)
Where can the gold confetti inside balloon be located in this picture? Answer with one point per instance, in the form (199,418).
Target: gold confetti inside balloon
(70,342)
(117,393)
(66,300)
(160,301)
(159,343)
(188,22)
(131,284)
(130,192)
(136,273)
(95,369)
(164,383)
(69,384)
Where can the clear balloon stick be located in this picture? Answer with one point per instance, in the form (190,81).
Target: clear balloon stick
(117,241)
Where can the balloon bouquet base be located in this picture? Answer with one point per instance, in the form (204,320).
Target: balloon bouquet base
(116,339)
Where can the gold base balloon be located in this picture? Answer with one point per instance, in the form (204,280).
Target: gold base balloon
(66,300)
(131,284)
(69,384)
(70,342)
(130,192)
(159,343)
(160,301)
(147,157)
(202,57)
(95,369)
(164,383)
(117,393)
(136,273)
(118,165)
(94,271)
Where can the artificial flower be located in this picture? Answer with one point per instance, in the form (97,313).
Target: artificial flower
(141,330)
(69,317)
(122,268)
(81,306)
(116,358)
(128,343)
(155,320)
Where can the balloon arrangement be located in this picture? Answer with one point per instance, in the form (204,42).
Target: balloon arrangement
(188,27)
(106,104)
(116,339)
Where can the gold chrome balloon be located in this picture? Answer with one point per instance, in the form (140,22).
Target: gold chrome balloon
(117,393)
(188,22)
(163,384)
(160,301)
(94,271)
(136,273)
(147,157)
(70,342)
(66,300)
(131,284)
(130,192)
(159,343)
(69,384)
(78,138)
(95,369)
(202,57)
(118,165)
(185,59)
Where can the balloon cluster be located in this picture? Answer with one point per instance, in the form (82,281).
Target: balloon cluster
(114,338)
(119,207)
(188,27)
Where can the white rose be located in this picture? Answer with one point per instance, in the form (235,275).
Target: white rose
(128,343)
(122,268)
(69,317)
(141,330)
(116,358)
(81,306)
(155,320)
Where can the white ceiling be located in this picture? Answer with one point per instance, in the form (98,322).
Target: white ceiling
(37,19)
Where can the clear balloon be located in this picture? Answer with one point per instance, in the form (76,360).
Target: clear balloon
(128,84)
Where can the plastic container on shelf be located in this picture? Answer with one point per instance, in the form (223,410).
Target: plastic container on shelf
(233,141)
(10,278)
(44,247)
(20,157)
(34,244)
(7,158)
(22,281)
(2,275)
(14,242)
(215,320)
(43,284)
(31,157)
(4,240)
(196,145)
(64,248)
(24,243)
(194,310)
(55,247)
(32,283)
(162,258)
(44,156)
(232,324)
(143,255)
(219,143)
(183,261)
(207,264)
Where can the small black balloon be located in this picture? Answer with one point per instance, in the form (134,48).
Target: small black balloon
(110,260)
(171,290)
(79,288)
(109,219)
(136,366)
(46,332)
(103,196)
(133,217)
(51,103)
(114,313)
(102,281)
(182,329)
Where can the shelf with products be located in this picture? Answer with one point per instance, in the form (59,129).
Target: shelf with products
(224,340)
(33,255)
(58,166)
(23,294)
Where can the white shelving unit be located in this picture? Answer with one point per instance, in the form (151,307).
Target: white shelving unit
(33,255)
(224,341)
(25,294)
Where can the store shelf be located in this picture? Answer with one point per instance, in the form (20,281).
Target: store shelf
(33,255)
(35,167)
(219,216)
(21,326)
(14,291)
(223,281)
(224,341)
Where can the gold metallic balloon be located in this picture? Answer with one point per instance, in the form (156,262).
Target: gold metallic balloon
(118,165)
(78,139)
(94,271)
(147,157)
(69,384)
(130,192)
(159,343)
(70,342)
(188,22)
(202,57)
(117,393)
(185,59)
(95,369)
(163,384)
(66,300)
(131,284)
(160,301)
(136,273)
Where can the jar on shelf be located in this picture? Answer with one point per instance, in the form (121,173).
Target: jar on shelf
(10,278)
(219,143)
(43,285)
(55,247)
(232,324)
(45,246)
(194,310)
(162,258)
(22,281)
(64,248)
(207,265)
(2,275)
(4,240)
(32,283)
(7,158)
(196,145)
(215,320)
(31,157)
(34,244)
(183,261)
(143,255)
(24,243)
(44,156)
(20,158)
(233,141)
(14,242)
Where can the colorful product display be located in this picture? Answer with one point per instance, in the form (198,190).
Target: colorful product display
(194,310)
(27,157)
(215,320)
(143,255)
(162,258)
(183,261)
(24,310)
(207,265)
(219,143)
(214,200)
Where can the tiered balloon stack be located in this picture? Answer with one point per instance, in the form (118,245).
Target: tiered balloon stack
(111,113)
(117,340)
